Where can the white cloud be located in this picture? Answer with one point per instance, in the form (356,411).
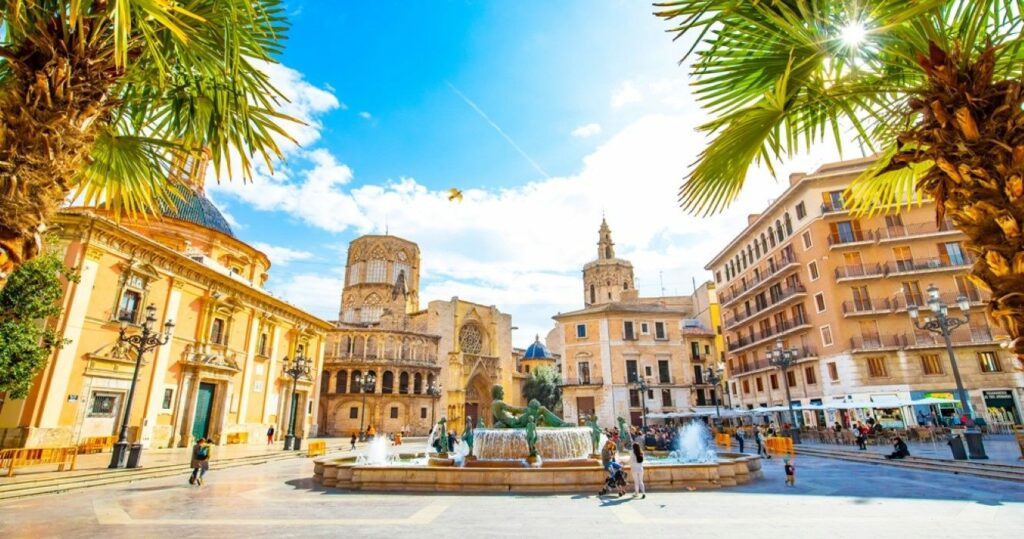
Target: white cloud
(587,130)
(316,293)
(365,115)
(626,94)
(279,255)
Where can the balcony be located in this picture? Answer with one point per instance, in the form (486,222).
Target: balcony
(777,330)
(806,352)
(582,381)
(931,265)
(854,237)
(899,301)
(898,232)
(960,337)
(775,267)
(877,342)
(861,271)
(787,293)
(859,307)
(828,208)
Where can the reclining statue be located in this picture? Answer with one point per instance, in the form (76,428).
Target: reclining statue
(514,417)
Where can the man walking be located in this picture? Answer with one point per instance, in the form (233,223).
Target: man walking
(270,435)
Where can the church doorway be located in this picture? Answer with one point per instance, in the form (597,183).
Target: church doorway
(478,398)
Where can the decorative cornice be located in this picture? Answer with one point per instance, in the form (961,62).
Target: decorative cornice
(94,254)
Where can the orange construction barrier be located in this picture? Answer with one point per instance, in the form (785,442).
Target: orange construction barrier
(31,456)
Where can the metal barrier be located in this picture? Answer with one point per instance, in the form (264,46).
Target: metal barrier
(316,448)
(723,439)
(238,438)
(31,456)
(96,444)
(779,444)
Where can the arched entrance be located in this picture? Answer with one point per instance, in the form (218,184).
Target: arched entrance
(478,398)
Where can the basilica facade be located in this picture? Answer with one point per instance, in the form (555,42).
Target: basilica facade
(396,367)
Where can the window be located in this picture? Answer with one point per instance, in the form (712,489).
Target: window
(632,372)
(261,348)
(663,373)
(791,378)
(400,269)
(845,232)
(353,413)
(593,294)
(129,309)
(659,331)
(217,331)
(627,331)
(773,381)
(733,386)
(912,293)
(904,258)
(832,201)
(789,224)
(394,412)
(387,385)
(819,302)
(645,328)
(634,398)
(423,412)
(801,211)
(759,384)
(718,276)
(952,254)
(581,331)
(826,335)
(666,397)
(356,273)
(168,399)
(930,364)
(876,367)
(746,386)
(833,371)
(583,368)
(810,376)
(257,386)
(103,404)
(376,271)
(807,239)
(989,362)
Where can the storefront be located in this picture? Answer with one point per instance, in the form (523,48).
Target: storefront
(1000,406)
(947,413)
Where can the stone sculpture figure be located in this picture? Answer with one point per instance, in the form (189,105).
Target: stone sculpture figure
(595,434)
(480,423)
(442,429)
(467,434)
(514,417)
(623,434)
(531,436)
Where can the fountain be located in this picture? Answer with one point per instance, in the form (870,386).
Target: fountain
(530,449)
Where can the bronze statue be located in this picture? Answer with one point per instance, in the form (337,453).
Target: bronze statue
(467,434)
(531,436)
(514,417)
(480,423)
(442,428)
(623,434)
(595,433)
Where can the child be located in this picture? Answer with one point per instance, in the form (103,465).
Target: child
(790,473)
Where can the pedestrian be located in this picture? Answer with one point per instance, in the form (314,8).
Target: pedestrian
(451,439)
(762,449)
(739,439)
(353,442)
(270,435)
(862,437)
(900,450)
(636,466)
(200,461)
(790,473)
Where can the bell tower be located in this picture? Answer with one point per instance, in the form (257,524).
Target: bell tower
(607,279)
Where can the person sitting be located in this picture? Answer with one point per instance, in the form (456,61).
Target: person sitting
(900,450)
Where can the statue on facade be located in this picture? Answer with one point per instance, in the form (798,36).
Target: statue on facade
(514,417)
(531,436)
(467,434)
(442,431)
(595,434)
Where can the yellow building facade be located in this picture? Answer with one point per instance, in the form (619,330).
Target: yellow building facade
(219,376)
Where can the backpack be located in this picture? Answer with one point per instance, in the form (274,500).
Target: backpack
(203,453)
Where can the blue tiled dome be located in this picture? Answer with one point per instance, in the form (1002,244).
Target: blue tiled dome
(195,208)
(537,351)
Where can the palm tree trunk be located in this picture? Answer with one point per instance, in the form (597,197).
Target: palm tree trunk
(58,88)
(973,130)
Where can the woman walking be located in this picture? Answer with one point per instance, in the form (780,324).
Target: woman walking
(762,449)
(636,466)
(200,461)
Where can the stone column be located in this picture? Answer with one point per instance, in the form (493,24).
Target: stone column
(225,410)
(272,386)
(190,409)
(159,372)
(250,358)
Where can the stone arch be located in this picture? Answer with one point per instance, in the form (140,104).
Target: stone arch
(358,346)
(417,384)
(387,383)
(340,416)
(341,382)
(593,294)
(354,381)
(403,383)
(371,347)
(478,397)
(430,379)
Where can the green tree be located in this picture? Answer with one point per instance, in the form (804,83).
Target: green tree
(932,86)
(544,384)
(99,97)
(28,302)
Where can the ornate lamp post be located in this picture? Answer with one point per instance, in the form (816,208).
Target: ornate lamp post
(299,368)
(714,376)
(943,324)
(368,383)
(641,385)
(435,392)
(140,343)
(784,358)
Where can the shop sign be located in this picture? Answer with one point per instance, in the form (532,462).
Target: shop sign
(1002,394)
(938,395)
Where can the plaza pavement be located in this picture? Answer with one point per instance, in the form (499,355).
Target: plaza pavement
(833,499)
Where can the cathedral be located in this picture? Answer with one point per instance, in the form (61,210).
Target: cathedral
(393,366)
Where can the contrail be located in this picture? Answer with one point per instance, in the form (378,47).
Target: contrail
(499,130)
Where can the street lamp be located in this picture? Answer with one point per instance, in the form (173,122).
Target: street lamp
(641,385)
(141,343)
(714,376)
(943,324)
(367,384)
(435,392)
(784,358)
(297,369)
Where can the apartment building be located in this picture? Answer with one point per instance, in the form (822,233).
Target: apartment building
(835,287)
(623,354)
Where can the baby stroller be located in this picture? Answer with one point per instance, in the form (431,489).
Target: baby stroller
(616,480)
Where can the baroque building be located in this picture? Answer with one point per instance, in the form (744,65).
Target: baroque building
(219,377)
(621,343)
(458,347)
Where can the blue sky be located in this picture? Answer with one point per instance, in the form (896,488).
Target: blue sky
(545,113)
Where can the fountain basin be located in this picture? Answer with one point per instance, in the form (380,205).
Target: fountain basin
(730,469)
(570,443)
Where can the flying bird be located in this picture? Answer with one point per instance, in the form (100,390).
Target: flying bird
(454,194)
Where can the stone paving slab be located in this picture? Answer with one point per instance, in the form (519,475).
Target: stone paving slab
(833,499)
